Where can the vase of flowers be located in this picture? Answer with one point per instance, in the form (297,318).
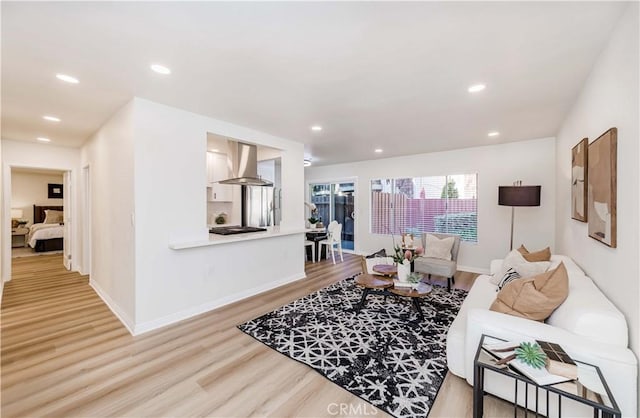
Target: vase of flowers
(403,260)
(404,269)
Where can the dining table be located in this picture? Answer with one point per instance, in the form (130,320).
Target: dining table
(316,235)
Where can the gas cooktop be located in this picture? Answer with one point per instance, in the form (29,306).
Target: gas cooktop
(230,230)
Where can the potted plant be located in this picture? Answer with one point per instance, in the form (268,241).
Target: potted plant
(313,219)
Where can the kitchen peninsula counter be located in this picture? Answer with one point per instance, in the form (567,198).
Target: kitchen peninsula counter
(214,239)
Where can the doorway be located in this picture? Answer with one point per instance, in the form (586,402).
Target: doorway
(33,194)
(335,201)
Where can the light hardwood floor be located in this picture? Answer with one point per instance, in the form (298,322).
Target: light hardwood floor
(65,354)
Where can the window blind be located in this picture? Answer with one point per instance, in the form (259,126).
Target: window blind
(446,204)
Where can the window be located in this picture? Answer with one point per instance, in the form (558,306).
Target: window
(446,204)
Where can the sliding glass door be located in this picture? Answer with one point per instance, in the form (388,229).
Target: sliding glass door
(335,202)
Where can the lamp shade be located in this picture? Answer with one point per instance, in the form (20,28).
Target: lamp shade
(519,195)
(16,213)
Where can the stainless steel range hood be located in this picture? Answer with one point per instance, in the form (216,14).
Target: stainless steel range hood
(243,160)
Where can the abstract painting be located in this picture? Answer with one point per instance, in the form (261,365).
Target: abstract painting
(602,181)
(579,164)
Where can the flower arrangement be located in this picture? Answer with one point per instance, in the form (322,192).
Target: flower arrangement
(399,256)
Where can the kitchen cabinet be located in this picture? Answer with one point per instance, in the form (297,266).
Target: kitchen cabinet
(217,170)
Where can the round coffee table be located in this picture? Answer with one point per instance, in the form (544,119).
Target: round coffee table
(386,269)
(385,286)
(416,294)
(372,283)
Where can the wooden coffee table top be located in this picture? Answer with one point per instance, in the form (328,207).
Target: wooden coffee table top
(421,291)
(386,269)
(374,282)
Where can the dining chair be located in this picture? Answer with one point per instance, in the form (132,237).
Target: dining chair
(334,239)
(311,244)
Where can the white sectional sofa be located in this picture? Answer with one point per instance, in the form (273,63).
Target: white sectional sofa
(587,325)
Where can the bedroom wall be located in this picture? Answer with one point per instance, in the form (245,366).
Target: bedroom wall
(40,156)
(170,185)
(531,161)
(109,155)
(28,189)
(608,99)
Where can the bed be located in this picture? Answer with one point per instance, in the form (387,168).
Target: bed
(45,237)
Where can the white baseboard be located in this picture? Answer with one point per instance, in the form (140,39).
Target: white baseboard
(115,308)
(473,269)
(218,303)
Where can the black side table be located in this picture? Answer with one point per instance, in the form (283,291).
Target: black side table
(593,391)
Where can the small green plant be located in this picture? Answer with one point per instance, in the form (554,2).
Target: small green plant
(531,354)
(414,278)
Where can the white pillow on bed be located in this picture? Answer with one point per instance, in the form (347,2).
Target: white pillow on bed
(53,216)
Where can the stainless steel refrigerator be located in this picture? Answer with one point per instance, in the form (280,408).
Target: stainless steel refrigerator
(261,206)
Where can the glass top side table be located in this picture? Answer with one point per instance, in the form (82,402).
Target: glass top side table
(590,389)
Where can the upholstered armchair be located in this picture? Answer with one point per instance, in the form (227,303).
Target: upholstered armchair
(439,265)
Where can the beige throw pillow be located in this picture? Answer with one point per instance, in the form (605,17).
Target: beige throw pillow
(540,255)
(535,297)
(514,260)
(53,216)
(438,248)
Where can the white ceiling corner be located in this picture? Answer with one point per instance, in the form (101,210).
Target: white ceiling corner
(373,74)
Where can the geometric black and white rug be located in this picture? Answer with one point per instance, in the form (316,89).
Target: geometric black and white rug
(385,355)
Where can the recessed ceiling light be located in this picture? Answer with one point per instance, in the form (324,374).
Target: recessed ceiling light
(378,150)
(493,133)
(476,88)
(160,69)
(307,162)
(215,150)
(51,118)
(316,128)
(43,139)
(67,78)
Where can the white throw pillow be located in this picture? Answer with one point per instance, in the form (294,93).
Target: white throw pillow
(516,261)
(53,216)
(438,248)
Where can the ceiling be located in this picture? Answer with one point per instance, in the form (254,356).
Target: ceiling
(373,75)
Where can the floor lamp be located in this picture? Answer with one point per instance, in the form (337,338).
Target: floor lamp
(518,195)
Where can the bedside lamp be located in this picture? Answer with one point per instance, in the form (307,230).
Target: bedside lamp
(518,195)
(16,218)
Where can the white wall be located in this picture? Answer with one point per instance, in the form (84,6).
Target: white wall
(533,162)
(609,99)
(28,189)
(1,226)
(109,155)
(43,156)
(170,205)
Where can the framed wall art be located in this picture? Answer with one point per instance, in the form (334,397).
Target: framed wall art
(579,164)
(602,183)
(55,191)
